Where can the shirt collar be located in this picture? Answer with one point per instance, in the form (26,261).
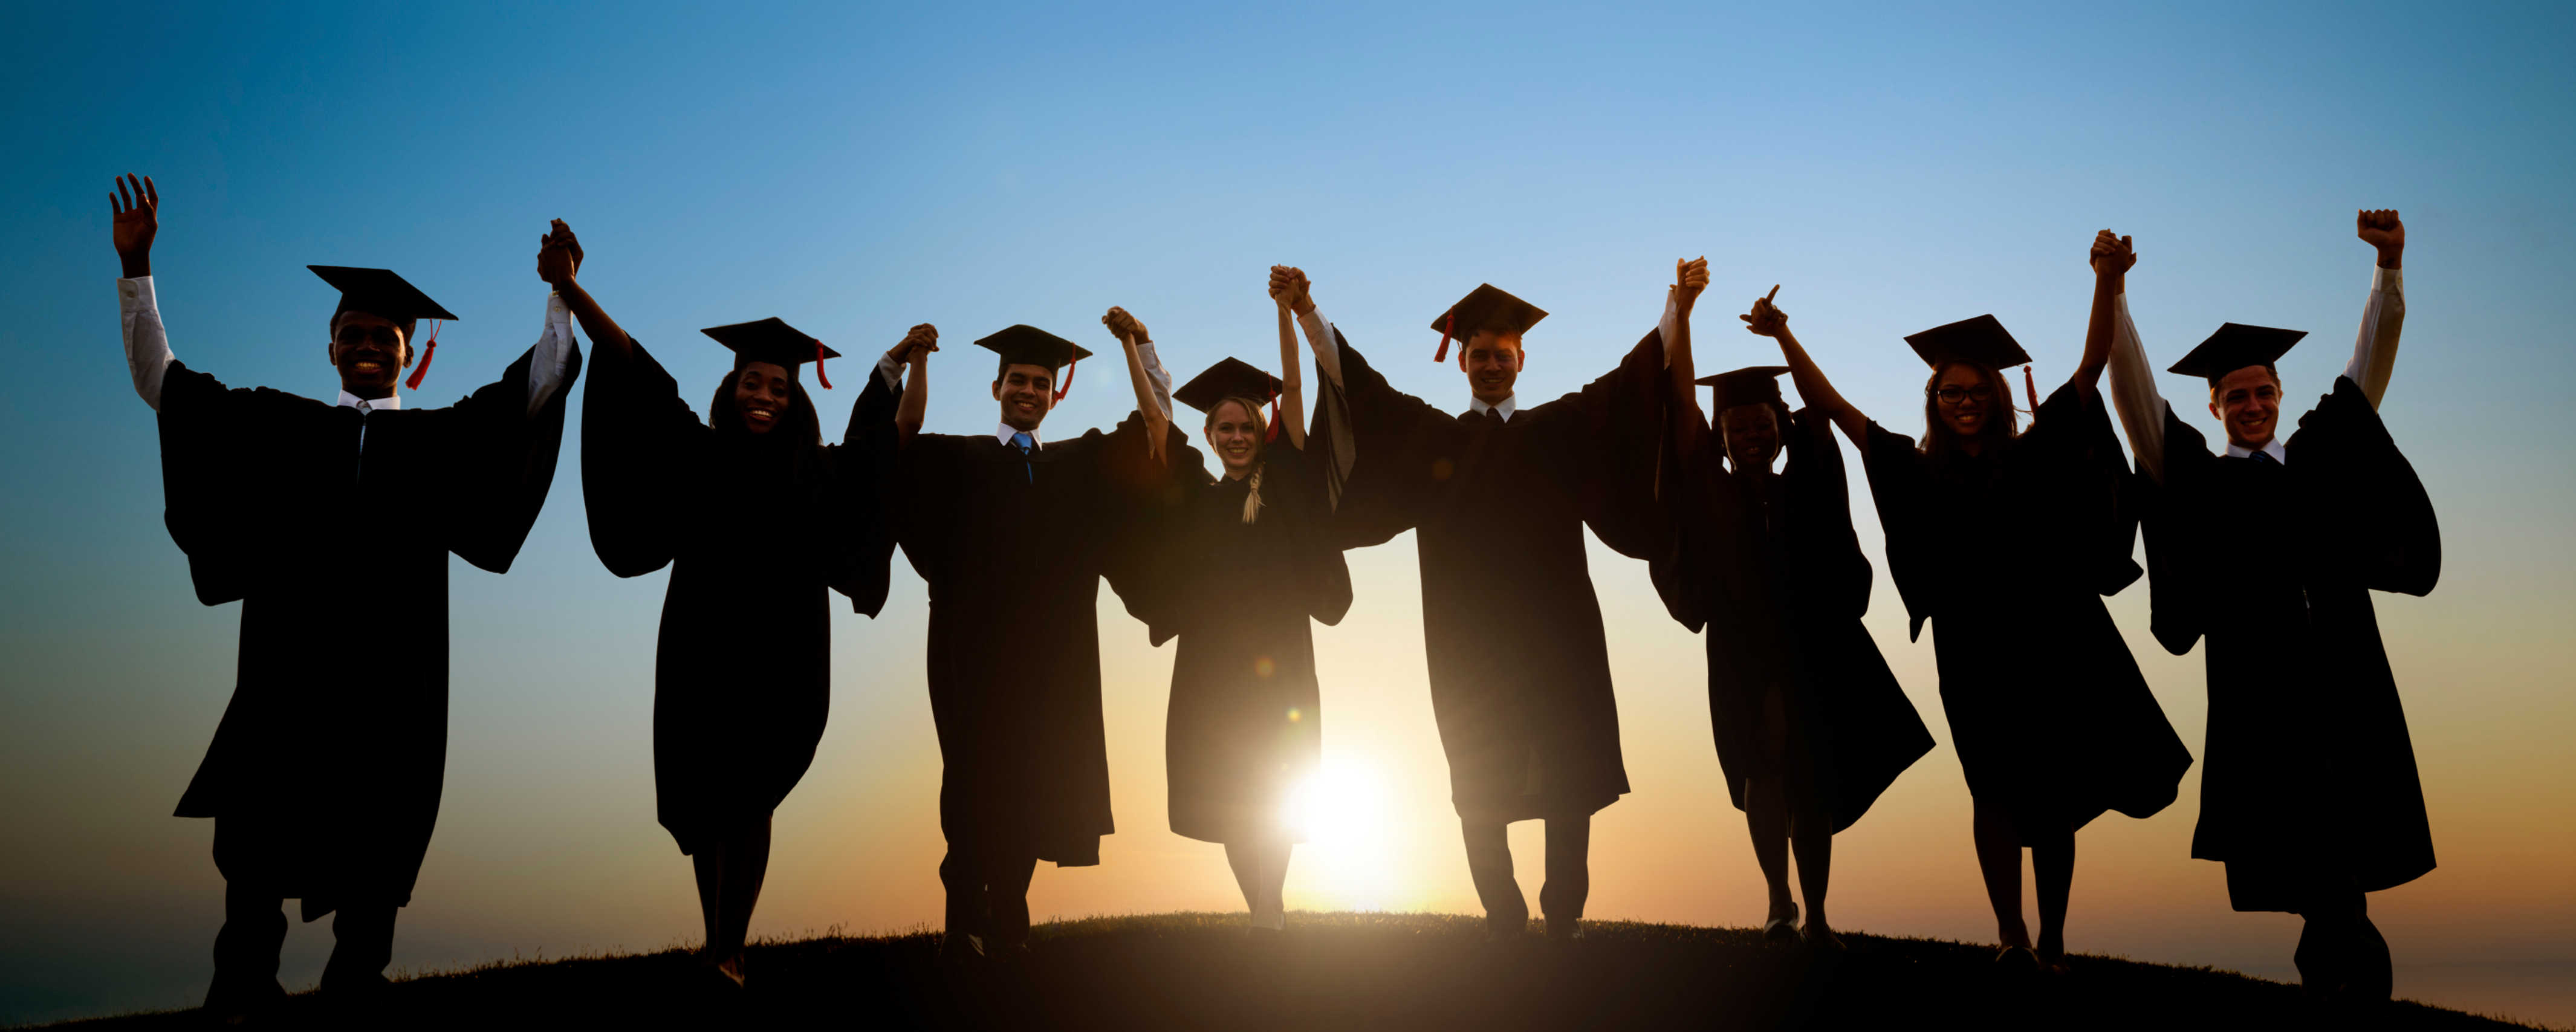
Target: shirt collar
(1510,405)
(2272,448)
(1006,431)
(363,405)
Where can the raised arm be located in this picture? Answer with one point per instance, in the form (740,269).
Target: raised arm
(2112,257)
(2133,381)
(558,262)
(1690,278)
(1288,286)
(137,206)
(1768,320)
(1292,381)
(1145,373)
(914,405)
(2374,349)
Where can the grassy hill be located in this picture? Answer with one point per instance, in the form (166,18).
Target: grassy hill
(1345,972)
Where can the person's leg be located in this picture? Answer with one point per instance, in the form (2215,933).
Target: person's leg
(1569,873)
(2366,961)
(961,873)
(364,945)
(746,865)
(707,863)
(1489,865)
(1272,912)
(2052,867)
(1006,892)
(1999,859)
(1766,815)
(1245,859)
(1811,831)
(246,949)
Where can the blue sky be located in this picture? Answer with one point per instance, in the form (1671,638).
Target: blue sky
(857,170)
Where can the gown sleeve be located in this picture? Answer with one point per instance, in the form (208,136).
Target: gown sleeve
(1290,488)
(1603,443)
(636,435)
(2085,487)
(1834,577)
(2375,522)
(2177,539)
(1682,571)
(1132,502)
(214,443)
(1896,487)
(1397,447)
(501,461)
(860,474)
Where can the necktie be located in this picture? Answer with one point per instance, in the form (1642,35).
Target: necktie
(2263,458)
(1021,441)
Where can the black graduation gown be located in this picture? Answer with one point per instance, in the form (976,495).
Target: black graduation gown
(1246,723)
(1519,669)
(333,528)
(1776,574)
(2009,555)
(1013,552)
(742,668)
(2310,786)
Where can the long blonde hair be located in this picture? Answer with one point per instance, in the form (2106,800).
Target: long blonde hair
(1252,482)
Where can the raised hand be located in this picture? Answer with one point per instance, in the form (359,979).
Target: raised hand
(2112,254)
(916,346)
(1766,319)
(137,204)
(1123,326)
(2381,229)
(558,255)
(1288,286)
(1690,277)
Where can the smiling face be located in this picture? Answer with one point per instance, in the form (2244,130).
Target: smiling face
(762,393)
(2248,401)
(1493,364)
(1234,433)
(370,351)
(1964,400)
(1026,393)
(1752,436)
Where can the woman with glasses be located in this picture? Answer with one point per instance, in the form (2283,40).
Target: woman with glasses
(2052,721)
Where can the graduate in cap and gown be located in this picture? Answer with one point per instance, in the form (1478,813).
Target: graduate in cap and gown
(331,522)
(2006,542)
(1499,495)
(758,521)
(1244,563)
(1811,725)
(2270,550)
(1013,532)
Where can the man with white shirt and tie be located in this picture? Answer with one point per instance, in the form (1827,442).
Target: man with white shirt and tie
(331,524)
(1013,533)
(2270,550)
(1499,496)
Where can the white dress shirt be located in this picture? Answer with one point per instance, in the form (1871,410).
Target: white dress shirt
(2142,409)
(148,356)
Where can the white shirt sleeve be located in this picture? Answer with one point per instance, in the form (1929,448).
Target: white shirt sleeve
(2374,349)
(2133,392)
(1156,377)
(554,347)
(1321,341)
(890,372)
(147,343)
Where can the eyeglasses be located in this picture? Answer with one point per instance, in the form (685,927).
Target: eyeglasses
(1954,394)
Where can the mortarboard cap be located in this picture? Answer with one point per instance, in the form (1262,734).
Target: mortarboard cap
(1232,378)
(771,340)
(1028,345)
(1979,341)
(1753,385)
(2234,347)
(380,293)
(1484,308)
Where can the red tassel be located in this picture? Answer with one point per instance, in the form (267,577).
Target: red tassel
(2032,386)
(428,350)
(1446,325)
(1060,392)
(1273,433)
(818,366)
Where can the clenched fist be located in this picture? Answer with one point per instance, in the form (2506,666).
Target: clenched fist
(2112,254)
(916,346)
(1124,326)
(2381,229)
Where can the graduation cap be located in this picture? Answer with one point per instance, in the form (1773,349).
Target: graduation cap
(771,340)
(380,293)
(1484,308)
(1028,345)
(2234,347)
(1980,341)
(1752,385)
(1232,378)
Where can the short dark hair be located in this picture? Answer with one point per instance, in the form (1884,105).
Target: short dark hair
(2268,368)
(403,325)
(1003,371)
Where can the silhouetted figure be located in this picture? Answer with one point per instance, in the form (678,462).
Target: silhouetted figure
(1246,562)
(1810,724)
(331,524)
(2271,551)
(2006,542)
(758,521)
(1013,534)
(1499,495)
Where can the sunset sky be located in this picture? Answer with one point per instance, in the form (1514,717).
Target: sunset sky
(856,171)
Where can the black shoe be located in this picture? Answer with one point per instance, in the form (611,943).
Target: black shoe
(958,950)
(1566,932)
(242,1002)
